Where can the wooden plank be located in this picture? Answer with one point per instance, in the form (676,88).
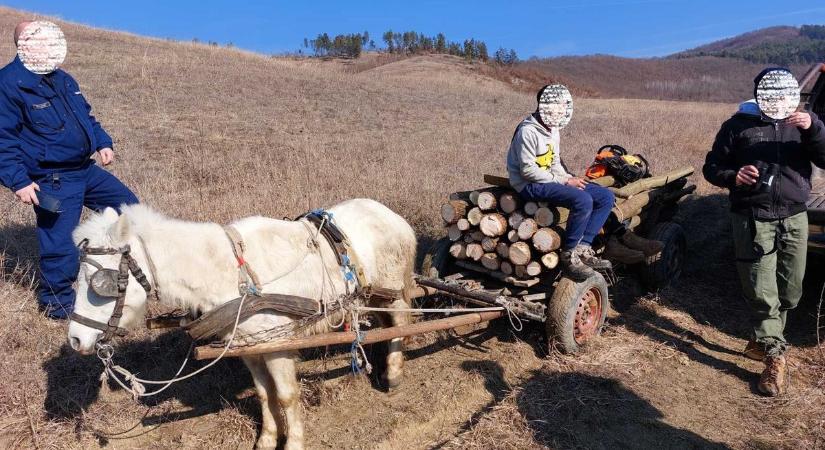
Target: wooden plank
(497,180)
(347,337)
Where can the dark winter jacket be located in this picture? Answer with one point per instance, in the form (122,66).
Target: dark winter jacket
(745,139)
(45,124)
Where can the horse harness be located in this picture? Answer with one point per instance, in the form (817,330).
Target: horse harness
(338,241)
(110,283)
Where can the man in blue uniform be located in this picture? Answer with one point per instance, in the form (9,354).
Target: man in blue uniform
(47,139)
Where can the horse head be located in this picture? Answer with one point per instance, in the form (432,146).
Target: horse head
(111,288)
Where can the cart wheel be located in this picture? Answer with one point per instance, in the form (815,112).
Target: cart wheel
(437,259)
(667,269)
(576,312)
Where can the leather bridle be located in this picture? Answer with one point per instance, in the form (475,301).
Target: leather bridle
(112,284)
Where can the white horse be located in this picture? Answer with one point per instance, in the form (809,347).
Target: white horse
(195,269)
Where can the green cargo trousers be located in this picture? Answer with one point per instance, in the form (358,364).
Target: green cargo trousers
(772,284)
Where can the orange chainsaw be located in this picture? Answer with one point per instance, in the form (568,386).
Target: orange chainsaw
(612,159)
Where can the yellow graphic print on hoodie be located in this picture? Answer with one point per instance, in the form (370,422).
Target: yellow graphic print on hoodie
(546,159)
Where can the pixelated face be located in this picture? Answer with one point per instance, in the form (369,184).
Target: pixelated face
(556,106)
(41,47)
(777,94)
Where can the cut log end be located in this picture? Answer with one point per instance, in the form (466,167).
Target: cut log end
(508,202)
(454,233)
(474,251)
(493,225)
(527,228)
(545,217)
(490,261)
(550,260)
(474,216)
(453,211)
(506,268)
(489,244)
(546,240)
(458,250)
(520,253)
(487,201)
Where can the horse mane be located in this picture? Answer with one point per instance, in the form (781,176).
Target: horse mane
(140,218)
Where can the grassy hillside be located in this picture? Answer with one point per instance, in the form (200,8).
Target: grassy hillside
(214,134)
(776,45)
(746,40)
(720,71)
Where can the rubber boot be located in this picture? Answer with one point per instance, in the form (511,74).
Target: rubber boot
(647,246)
(618,252)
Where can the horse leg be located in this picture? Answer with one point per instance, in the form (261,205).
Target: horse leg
(395,348)
(269,405)
(281,367)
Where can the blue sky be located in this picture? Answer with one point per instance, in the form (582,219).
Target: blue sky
(548,28)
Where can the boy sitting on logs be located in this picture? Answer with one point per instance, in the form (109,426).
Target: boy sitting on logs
(537,173)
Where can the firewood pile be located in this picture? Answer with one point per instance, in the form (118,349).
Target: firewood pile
(494,231)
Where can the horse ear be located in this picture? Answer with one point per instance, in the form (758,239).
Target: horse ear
(111,215)
(119,232)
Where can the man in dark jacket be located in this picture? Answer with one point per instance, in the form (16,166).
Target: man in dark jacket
(47,139)
(766,165)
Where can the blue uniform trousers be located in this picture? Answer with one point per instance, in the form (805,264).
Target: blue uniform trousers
(589,208)
(90,186)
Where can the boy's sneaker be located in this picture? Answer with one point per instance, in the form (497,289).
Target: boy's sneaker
(573,266)
(588,258)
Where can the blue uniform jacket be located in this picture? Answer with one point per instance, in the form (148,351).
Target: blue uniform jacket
(45,124)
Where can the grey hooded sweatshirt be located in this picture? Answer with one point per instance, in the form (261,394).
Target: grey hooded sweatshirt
(534,155)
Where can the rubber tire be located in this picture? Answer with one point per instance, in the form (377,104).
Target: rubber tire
(668,268)
(561,312)
(437,259)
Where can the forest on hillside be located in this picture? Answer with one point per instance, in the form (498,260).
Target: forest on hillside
(805,48)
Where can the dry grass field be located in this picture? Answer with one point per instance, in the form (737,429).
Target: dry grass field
(216,134)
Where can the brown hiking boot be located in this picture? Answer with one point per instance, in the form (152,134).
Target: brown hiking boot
(754,350)
(616,251)
(647,246)
(772,380)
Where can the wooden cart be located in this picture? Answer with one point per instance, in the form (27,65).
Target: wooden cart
(575,311)
(572,311)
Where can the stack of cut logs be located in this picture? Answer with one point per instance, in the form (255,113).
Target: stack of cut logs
(494,230)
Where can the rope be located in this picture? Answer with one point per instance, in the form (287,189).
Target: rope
(357,348)
(327,278)
(818,326)
(511,315)
(105,352)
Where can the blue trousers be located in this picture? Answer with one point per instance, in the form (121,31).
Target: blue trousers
(92,187)
(589,208)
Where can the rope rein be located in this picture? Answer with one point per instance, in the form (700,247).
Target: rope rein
(105,352)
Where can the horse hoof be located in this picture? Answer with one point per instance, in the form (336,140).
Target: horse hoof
(266,443)
(393,384)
